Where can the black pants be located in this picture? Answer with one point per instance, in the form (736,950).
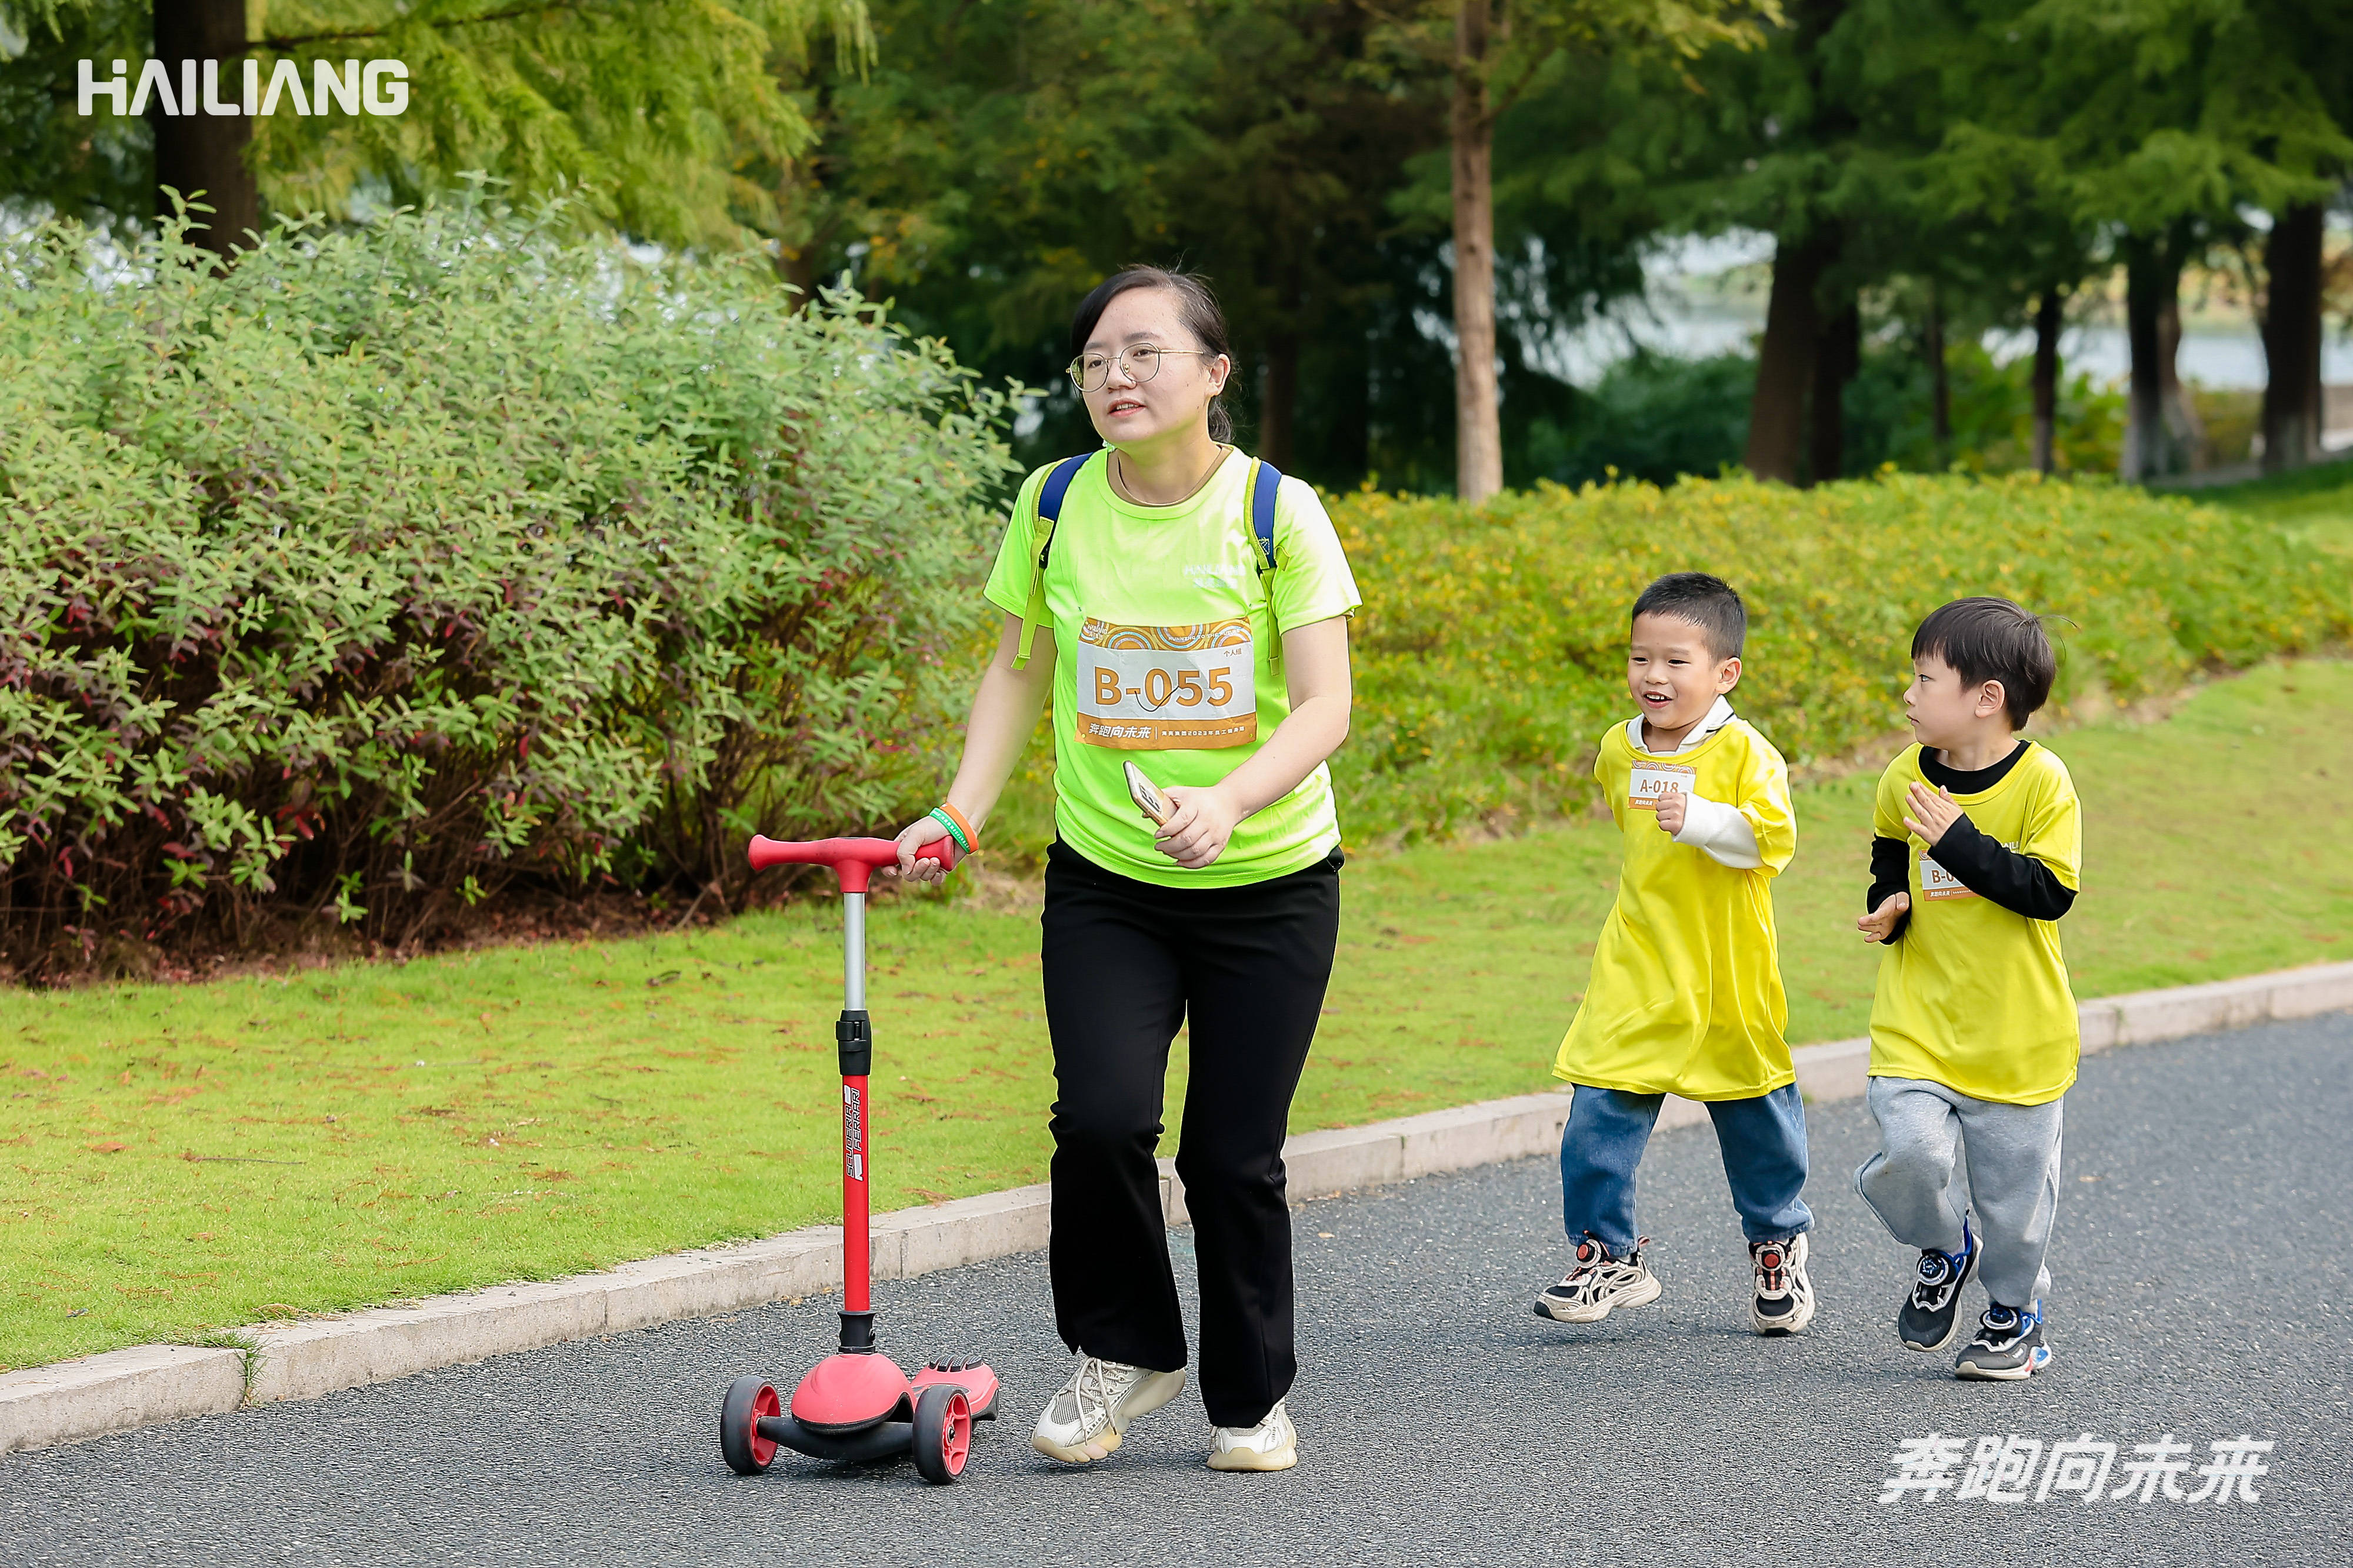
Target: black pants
(1124,962)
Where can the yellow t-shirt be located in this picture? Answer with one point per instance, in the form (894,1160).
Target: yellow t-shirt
(1971,996)
(1685,995)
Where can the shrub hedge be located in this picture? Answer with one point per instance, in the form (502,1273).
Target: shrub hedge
(398,562)
(1490,655)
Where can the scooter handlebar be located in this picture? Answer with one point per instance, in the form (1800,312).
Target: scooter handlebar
(853,859)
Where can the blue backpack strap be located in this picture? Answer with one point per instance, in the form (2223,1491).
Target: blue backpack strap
(1266,480)
(1050,512)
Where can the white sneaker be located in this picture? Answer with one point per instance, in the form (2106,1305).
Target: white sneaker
(1597,1283)
(1784,1302)
(1089,1416)
(1271,1445)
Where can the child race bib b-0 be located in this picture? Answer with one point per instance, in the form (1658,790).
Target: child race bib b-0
(1652,780)
(1936,882)
(1166,689)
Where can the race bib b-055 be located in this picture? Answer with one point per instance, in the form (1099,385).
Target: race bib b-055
(1165,689)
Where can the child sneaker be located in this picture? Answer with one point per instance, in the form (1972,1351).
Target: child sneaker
(1597,1282)
(1089,1416)
(1933,1310)
(1271,1445)
(1784,1302)
(2008,1346)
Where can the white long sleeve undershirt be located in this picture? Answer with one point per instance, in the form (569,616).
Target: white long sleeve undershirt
(1719,832)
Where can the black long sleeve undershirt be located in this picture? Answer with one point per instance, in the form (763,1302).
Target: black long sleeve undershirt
(1891,873)
(2018,882)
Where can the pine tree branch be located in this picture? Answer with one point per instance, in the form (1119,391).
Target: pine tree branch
(286,42)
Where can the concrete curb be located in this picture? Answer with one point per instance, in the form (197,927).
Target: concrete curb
(99,1394)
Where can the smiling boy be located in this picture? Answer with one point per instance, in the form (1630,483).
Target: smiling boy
(1685,995)
(1974,1040)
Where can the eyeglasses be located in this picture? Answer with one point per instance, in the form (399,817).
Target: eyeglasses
(1139,363)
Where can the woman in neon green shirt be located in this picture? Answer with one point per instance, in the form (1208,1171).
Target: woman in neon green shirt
(1164,639)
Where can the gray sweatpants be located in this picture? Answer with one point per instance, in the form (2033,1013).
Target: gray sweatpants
(1913,1182)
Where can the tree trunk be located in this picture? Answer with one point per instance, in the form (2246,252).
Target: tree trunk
(1477,426)
(796,264)
(196,151)
(2291,327)
(2047,321)
(2182,423)
(1940,381)
(1785,361)
(1837,357)
(2152,281)
(1279,408)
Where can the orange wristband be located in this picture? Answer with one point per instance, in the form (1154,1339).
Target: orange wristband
(971,839)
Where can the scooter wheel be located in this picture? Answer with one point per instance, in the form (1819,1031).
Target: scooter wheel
(942,1433)
(749,1398)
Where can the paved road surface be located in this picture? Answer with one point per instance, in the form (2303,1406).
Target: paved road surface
(2202,1261)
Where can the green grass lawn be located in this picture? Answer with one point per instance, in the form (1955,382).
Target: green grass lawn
(2314,504)
(181,1159)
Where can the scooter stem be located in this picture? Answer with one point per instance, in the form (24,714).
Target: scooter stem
(853,862)
(854,1036)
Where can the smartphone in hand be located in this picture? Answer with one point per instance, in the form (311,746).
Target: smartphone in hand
(1148,800)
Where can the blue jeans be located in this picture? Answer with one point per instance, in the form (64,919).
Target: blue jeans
(1764,1144)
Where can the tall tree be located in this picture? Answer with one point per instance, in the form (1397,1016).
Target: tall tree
(2005,227)
(204,152)
(2164,133)
(1471,129)
(645,106)
(2320,33)
(98,170)
(996,162)
(1492,53)
(1809,143)
(1816,141)
(2293,416)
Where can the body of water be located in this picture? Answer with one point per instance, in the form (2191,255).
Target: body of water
(2212,357)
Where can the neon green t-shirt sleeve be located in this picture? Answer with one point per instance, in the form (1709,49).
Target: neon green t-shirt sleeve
(1311,580)
(1009,580)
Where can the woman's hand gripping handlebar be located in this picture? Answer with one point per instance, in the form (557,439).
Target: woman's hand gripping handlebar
(854,860)
(926,851)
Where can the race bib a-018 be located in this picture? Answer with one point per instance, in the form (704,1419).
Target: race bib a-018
(1936,882)
(1652,780)
(1167,689)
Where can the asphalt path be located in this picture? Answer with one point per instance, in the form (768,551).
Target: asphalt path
(2201,1259)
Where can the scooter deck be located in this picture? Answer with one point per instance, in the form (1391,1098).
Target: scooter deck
(977,1378)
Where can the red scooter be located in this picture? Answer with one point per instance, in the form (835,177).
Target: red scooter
(856,1404)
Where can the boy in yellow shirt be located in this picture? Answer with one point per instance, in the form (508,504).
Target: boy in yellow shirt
(1980,850)
(1685,995)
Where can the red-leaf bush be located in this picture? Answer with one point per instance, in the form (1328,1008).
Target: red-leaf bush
(398,563)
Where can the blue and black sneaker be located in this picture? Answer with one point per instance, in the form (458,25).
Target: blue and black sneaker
(2008,1346)
(1933,1310)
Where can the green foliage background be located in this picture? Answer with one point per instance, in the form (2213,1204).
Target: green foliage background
(1490,655)
(403,560)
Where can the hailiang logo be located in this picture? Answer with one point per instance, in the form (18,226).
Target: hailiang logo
(379,88)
